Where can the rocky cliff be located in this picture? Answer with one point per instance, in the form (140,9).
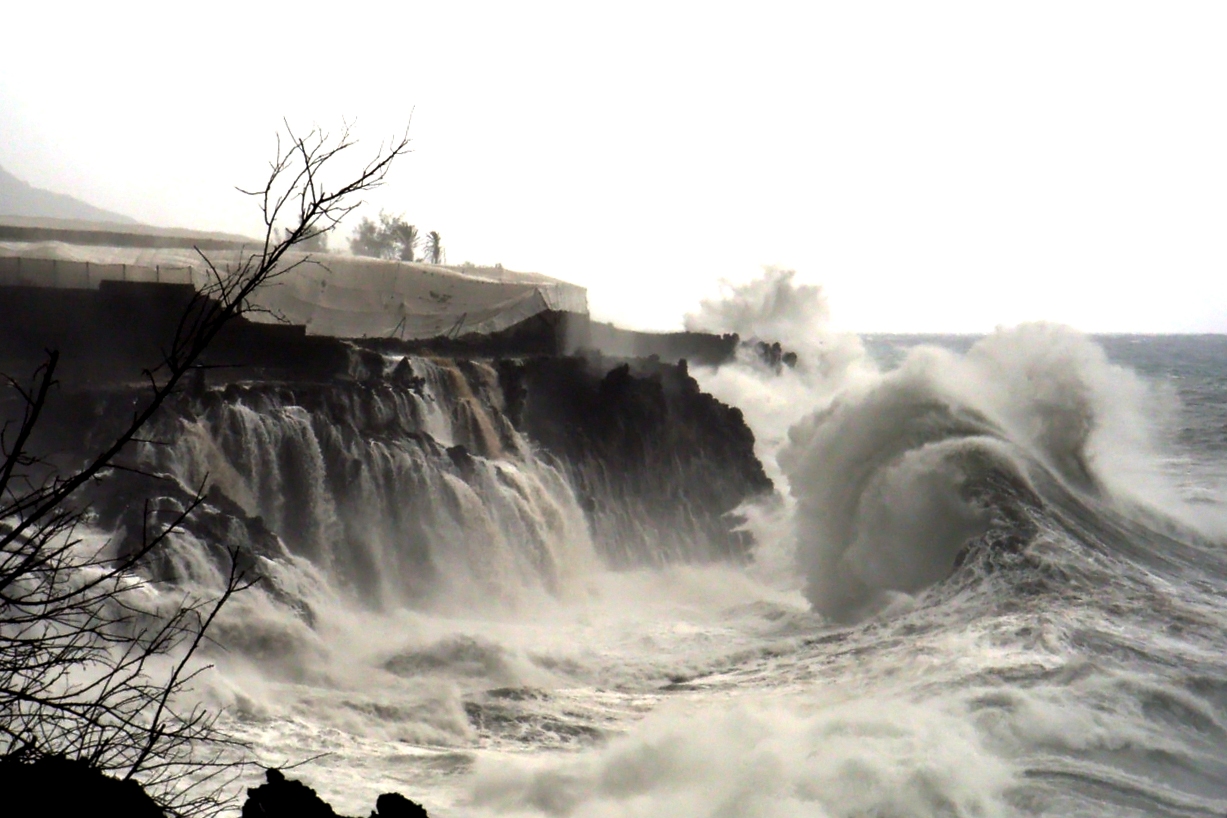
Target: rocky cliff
(382,459)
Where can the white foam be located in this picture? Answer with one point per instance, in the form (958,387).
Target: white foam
(850,758)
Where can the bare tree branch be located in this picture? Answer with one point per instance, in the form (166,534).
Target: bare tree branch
(80,639)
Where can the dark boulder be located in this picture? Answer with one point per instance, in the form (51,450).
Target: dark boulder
(395,805)
(774,356)
(55,785)
(283,797)
(461,459)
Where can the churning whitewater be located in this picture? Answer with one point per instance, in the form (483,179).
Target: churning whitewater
(991,582)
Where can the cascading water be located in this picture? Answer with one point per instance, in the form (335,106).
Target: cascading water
(403,494)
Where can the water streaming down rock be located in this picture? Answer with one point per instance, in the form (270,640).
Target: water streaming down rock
(402,490)
(453,483)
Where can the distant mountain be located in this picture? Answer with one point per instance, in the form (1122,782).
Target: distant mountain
(17,198)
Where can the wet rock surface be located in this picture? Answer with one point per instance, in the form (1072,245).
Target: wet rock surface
(658,467)
(282,797)
(651,455)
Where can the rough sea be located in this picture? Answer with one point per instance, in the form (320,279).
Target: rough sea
(993,582)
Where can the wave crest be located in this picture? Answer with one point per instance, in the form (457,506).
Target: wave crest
(884,476)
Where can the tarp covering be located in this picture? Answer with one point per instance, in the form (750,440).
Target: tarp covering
(337,295)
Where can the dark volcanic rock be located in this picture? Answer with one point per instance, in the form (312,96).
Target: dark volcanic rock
(395,805)
(658,463)
(282,797)
(56,786)
(774,355)
(564,333)
(461,459)
(137,504)
(704,348)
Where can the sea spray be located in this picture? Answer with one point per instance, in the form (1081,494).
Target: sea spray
(883,476)
(1027,631)
(878,463)
(848,758)
(776,308)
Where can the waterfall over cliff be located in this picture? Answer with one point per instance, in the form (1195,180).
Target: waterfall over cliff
(414,481)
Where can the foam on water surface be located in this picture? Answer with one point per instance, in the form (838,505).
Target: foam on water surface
(978,593)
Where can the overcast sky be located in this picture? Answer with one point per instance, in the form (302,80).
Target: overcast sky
(935,166)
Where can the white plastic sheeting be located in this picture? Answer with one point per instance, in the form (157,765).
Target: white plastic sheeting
(342,296)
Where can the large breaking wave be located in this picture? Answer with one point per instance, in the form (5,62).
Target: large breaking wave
(888,477)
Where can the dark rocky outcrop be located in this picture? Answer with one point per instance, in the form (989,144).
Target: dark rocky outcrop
(283,797)
(551,332)
(395,805)
(700,348)
(774,355)
(545,333)
(59,786)
(658,466)
(653,456)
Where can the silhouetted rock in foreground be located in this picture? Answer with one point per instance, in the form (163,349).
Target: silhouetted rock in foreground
(56,786)
(284,798)
(395,805)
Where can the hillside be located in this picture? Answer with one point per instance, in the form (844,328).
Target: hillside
(17,198)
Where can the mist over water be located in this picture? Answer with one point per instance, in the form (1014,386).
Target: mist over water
(885,476)
(1015,495)
(775,308)
(990,583)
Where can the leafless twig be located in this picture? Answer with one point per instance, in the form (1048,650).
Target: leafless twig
(95,663)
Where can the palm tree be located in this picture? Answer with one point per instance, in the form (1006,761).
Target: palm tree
(404,237)
(434,247)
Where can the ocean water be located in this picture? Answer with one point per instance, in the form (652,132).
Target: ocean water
(993,583)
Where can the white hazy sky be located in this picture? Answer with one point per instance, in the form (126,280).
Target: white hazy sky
(936,166)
